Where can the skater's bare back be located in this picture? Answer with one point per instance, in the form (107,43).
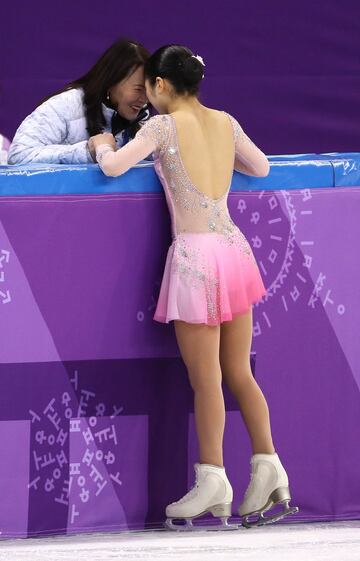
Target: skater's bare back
(206,149)
(210,145)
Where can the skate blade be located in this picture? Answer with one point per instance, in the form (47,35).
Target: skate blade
(221,512)
(263,520)
(187,525)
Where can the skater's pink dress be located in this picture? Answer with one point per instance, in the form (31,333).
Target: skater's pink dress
(210,273)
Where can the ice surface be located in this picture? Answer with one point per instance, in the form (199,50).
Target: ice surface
(335,541)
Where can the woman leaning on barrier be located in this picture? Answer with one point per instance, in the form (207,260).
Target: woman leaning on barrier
(110,97)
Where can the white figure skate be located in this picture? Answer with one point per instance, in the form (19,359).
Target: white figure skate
(212,493)
(269,486)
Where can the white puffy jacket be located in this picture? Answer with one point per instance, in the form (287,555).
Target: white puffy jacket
(55,132)
(4,149)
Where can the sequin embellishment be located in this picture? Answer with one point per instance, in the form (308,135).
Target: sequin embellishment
(192,266)
(193,212)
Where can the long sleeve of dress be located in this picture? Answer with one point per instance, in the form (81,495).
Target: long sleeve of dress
(249,159)
(149,139)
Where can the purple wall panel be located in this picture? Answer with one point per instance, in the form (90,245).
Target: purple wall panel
(288,71)
(79,283)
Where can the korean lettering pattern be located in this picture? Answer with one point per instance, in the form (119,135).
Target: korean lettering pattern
(62,430)
(95,445)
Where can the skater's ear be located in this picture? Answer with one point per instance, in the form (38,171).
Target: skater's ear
(159,85)
(163,86)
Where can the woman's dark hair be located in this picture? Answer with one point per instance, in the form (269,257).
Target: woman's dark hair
(120,60)
(178,65)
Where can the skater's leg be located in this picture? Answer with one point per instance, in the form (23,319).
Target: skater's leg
(199,348)
(235,345)
(212,492)
(269,483)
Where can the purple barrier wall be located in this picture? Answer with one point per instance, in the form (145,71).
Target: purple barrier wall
(96,420)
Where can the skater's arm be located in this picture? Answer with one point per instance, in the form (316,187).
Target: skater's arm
(249,159)
(116,162)
(150,138)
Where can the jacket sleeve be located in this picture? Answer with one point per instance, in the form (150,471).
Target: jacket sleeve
(41,135)
(249,159)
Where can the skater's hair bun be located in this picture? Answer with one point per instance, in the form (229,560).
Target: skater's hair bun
(178,65)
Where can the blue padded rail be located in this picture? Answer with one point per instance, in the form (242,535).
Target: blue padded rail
(294,171)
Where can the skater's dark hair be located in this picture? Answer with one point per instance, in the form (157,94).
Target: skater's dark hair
(178,65)
(118,62)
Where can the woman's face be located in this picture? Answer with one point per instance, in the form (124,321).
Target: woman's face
(128,96)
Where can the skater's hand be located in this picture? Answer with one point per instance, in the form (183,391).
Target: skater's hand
(99,139)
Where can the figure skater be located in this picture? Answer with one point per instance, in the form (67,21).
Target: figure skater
(210,279)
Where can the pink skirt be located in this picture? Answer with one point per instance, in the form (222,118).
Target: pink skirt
(208,278)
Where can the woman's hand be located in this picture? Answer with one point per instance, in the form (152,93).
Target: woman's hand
(99,139)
